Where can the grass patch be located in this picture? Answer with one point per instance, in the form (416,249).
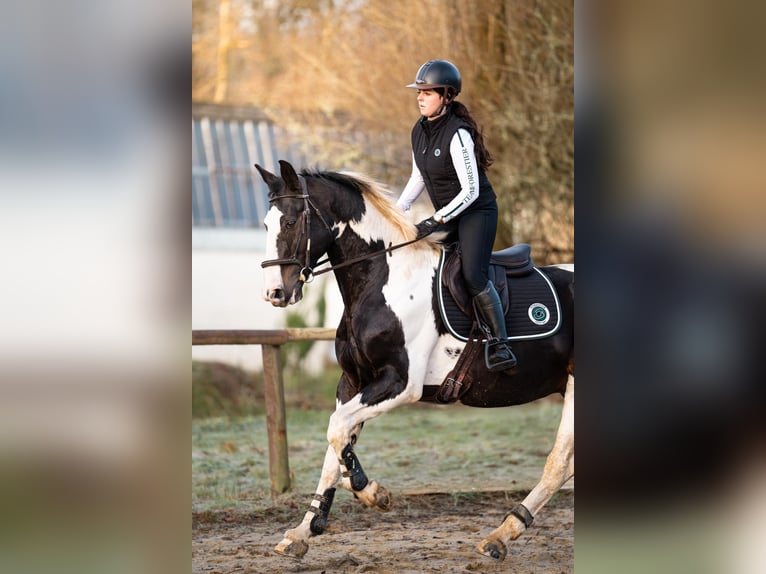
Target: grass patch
(419,447)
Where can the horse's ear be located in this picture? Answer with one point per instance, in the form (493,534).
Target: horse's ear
(267,176)
(288,174)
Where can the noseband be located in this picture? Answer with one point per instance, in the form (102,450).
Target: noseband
(307,273)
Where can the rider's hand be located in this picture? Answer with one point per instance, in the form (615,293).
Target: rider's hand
(426,227)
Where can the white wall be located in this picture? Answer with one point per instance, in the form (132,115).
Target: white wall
(226,294)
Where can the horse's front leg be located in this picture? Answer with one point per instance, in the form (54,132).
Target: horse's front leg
(343,431)
(295,541)
(355,479)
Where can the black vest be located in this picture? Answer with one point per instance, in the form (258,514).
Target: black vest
(430,147)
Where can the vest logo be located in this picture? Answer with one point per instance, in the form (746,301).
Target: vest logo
(437,152)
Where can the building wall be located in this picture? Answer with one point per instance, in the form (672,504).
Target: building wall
(226,294)
(229,202)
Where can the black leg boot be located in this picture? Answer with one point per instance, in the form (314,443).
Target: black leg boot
(498,355)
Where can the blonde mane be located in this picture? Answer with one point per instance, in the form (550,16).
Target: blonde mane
(382,199)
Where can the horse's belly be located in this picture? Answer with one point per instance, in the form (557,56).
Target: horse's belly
(442,359)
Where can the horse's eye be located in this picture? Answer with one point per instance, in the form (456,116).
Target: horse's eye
(290,223)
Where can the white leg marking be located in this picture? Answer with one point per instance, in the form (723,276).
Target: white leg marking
(559,467)
(295,541)
(345,421)
(350,415)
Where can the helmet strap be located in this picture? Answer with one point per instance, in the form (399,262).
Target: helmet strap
(440,109)
(437,113)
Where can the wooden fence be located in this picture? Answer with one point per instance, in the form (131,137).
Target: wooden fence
(274,393)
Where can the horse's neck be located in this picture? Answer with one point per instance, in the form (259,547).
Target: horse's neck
(367,236)
(398,271)
(364,236)
(354,279)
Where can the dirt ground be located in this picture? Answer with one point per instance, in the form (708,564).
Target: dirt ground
(422,533)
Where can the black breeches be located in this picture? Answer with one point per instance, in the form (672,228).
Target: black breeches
(476,231)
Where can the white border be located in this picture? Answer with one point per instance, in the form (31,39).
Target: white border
(516,338)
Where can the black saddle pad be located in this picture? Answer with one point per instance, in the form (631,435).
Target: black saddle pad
(533,309)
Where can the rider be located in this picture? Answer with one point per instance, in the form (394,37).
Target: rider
(449,160)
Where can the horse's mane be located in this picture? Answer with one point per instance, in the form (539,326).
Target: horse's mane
(378,194)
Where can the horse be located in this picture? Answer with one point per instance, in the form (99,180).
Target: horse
(391,343)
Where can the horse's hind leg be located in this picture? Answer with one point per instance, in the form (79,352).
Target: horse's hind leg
(559,468)
(295,541)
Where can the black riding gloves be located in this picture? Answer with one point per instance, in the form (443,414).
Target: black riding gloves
(427,227)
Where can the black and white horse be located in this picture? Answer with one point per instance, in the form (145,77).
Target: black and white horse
(391,342)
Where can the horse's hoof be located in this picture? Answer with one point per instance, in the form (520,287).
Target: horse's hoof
(493,549)
(292,548)
(375,496)
(383,501)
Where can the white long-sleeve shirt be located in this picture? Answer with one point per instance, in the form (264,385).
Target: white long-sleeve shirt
(464,160)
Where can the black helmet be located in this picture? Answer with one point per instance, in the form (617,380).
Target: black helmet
(438,74)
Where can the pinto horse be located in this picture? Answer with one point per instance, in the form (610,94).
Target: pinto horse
(391,342)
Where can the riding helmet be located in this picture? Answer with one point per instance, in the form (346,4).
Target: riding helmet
(438,74)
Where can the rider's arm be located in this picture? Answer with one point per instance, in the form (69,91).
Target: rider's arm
(413,188)
(464,160)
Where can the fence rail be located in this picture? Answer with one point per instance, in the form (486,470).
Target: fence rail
(274,392)
(260,337)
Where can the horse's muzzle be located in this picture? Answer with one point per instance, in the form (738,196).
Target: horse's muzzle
(276,297)
(279,298)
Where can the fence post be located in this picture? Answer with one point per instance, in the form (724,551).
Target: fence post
(274,395)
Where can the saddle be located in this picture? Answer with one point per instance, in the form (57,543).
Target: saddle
(530,305)
(514,261)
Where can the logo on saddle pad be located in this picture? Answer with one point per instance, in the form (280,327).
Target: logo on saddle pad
(530,303)
(538,313)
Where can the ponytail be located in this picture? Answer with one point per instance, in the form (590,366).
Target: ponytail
(483,157)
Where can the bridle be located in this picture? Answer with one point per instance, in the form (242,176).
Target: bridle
(308,206)
(307,273)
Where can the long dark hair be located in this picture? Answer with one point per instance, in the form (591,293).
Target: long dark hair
(483,157)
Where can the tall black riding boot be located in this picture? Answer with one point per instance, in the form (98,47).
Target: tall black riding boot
(497,353)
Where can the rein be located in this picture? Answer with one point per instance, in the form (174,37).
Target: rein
(348,262)
(307,273)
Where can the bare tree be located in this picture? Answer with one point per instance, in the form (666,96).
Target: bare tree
(333,74)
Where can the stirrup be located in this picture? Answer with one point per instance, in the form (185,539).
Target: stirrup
(509,363)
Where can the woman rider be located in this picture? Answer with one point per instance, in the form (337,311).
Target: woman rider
(449,160)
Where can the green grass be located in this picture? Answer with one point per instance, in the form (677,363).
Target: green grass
(418,447)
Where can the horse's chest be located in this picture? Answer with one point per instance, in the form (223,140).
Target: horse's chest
(408,294)
(387,319)
(371,338)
